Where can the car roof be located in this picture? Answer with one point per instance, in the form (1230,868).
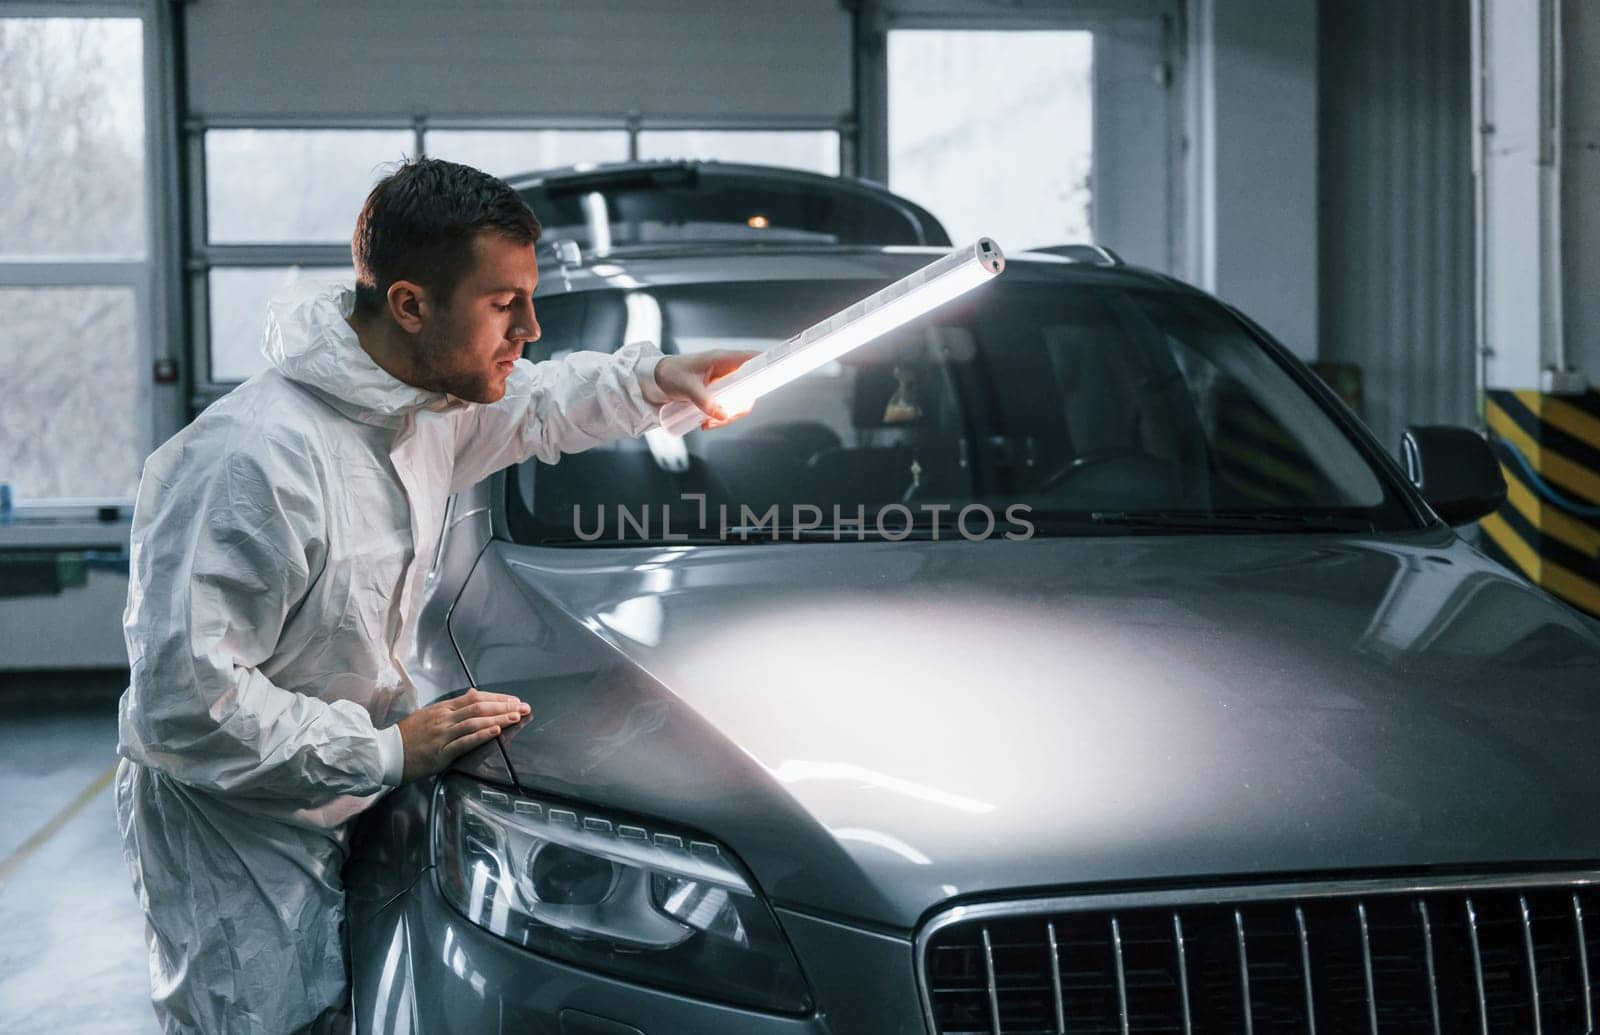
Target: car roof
(713,263)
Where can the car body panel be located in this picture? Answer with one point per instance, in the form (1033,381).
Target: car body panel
(879,728)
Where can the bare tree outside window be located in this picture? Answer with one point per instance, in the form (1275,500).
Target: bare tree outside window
(72,122)
(72,188)
(69,424)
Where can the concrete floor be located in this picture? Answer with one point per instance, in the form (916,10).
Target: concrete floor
(72,953)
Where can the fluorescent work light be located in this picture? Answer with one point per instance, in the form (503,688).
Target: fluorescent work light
(872,317)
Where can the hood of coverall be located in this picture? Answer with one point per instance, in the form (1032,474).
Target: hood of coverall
(309,341)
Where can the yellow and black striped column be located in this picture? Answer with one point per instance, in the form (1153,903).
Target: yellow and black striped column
(1551,531)
(1259,459)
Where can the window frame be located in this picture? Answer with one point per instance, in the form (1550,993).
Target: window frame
(203,256)
(1111,196)
(633,142)
(158,411)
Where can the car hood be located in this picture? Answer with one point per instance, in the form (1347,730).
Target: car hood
(879,728)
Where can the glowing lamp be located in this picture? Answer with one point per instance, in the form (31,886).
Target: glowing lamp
(874,316)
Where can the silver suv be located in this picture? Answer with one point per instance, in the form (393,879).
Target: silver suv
(1070,660)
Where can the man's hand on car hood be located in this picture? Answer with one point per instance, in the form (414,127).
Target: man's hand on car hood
(436,735)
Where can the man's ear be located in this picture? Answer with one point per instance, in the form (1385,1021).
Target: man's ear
(408,303)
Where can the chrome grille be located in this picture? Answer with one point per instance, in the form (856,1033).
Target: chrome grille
(1481,955)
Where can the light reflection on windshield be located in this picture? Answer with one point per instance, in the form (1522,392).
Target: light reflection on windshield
(1122,406)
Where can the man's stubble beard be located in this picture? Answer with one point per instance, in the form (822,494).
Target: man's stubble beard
(429,349)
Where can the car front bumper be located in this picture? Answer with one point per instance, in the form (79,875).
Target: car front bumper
(417,966)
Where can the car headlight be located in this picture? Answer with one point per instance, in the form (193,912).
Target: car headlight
(638,902)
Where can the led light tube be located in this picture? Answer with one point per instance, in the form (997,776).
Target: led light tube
(872,317)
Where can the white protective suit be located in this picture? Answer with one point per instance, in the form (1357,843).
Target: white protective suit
(273,595)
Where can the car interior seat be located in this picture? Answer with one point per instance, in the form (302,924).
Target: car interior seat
(767,463)
(870,470)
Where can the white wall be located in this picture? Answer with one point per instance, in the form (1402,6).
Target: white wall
(1580,186)
(358,59)
(1253,161)
(1395,200)
(1520,219)
(1540,157)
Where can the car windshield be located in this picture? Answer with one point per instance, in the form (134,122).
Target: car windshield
(678,205)
(1101,407)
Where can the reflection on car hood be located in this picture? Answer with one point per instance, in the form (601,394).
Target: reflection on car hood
(879,727)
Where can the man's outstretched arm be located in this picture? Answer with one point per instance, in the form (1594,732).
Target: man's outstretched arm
(582,400)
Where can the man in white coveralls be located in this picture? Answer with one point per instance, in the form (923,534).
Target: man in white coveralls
(276,572)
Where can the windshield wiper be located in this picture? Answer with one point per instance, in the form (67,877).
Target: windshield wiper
(657,541)
(752,535)
(822,534)
(1156,521)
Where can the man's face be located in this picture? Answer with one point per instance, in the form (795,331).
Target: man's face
(468,345)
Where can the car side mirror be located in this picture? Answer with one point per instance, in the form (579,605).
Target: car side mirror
(1455,470)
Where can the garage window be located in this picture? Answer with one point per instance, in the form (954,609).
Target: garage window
(237,300)
(74,260)
(508,152)
(280,206)
(68,428)
(280,202)
(293,186)
(1008,155)
(812,150)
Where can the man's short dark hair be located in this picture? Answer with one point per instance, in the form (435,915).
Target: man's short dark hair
(418,224)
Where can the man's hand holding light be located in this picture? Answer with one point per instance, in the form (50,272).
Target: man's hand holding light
(688,378)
